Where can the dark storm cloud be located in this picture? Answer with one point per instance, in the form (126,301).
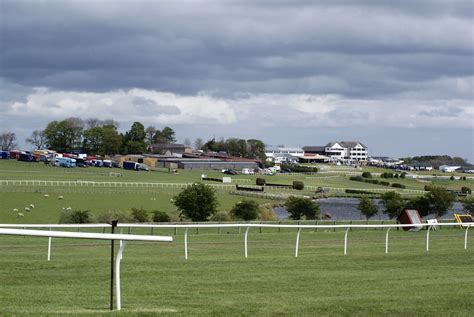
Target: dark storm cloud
(360,48)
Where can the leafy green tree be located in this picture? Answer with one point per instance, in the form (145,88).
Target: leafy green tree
(165,136)
(367,207)
(440,200)
(468,205)
(393,204)
(134,139)
(150,132)
(197,202)
(246,210)
(299,207)
(65,135)
(256,149)
(111,140)
(420,203)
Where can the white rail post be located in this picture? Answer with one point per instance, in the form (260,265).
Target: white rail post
(186,244)
(121,242)
(386,240)
(117,275)
(297,242)
(465,238)
(345,241)
(49,247)
(245,242)
(428,239)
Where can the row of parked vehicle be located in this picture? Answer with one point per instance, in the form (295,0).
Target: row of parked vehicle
(262,171)
(69,160)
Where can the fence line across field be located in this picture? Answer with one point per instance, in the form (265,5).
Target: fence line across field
(95,236)
(247,227)
(81,183)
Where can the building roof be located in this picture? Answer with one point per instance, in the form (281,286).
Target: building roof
(314,148)
(351,144)
(167,146)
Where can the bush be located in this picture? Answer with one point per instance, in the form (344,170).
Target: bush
(396,175)
(428,187)
(466,190)
(75,216)
(403,175)
(356,178)
(110,215)
(160,216)
(260,181)
(452,177)
(298,185)
(246,210)
(397,185)
(366,175)
(140,215)
(384,183)
(371,181)
(221,216)
(299,207)
(387,175)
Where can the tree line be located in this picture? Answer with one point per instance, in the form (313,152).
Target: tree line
(101,137)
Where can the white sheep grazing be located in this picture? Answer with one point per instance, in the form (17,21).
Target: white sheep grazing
(46,195)
(32,206)
(20,214)
(68,208)
(60,197)
(15,209)
(27,209)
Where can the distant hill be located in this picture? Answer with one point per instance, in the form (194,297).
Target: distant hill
(436,160)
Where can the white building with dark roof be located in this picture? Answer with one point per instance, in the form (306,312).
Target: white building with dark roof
(347,150)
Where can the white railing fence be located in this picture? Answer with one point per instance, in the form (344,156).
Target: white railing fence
(89,235)
(247,227)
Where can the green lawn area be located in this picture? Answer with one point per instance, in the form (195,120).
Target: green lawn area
(217,280)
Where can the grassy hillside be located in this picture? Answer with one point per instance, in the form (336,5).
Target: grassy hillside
(218,281)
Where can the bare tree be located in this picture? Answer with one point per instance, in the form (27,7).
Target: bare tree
(198,143)
(187,142)
(150,132)
(37,139)
(7,141)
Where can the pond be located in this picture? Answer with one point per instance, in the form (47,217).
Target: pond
(346,209)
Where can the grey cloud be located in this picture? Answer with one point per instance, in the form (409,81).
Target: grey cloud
(377,48)
(442,112)
(148,105)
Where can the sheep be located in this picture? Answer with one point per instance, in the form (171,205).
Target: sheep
(27,209)
(15,209)
(20,214)
(32,206)
(68,208)
(60,197)
(46,195)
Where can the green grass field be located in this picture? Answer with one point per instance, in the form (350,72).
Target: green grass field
(105,199)
(217,280)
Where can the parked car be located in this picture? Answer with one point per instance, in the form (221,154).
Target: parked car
(230,172)
(143,167)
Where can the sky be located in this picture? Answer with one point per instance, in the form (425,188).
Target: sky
(397,76)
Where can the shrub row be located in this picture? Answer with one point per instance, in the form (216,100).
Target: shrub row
(397,185)
(370,181)
(356,191)
(393,175)
(299,168)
